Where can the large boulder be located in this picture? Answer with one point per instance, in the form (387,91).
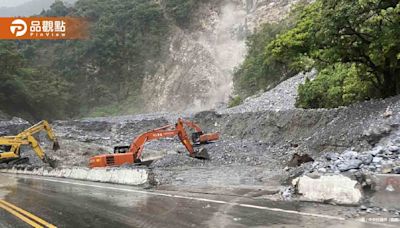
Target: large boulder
(337,189)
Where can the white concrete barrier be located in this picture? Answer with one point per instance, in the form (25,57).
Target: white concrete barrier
(105,175)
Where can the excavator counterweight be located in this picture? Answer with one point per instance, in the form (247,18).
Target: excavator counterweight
(133,153)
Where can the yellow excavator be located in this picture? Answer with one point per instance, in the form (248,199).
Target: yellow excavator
(11,145)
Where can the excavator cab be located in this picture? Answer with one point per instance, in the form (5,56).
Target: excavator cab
(196,138)
(11,160)
(4,148)
(12,144)
(121,149)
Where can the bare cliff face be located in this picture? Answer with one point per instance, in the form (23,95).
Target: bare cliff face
(197,71)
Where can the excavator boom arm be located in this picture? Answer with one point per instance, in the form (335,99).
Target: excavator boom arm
(134,154)
(192,125)
(137,145)
(41,126)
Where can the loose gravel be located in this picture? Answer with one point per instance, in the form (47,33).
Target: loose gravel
(282,97)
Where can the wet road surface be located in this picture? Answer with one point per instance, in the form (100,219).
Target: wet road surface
(70,203)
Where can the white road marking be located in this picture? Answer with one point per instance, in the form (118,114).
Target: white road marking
(193,198)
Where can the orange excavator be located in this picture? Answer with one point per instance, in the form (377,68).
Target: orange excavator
(133,153)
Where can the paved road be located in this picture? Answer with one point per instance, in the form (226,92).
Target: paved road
(68,203)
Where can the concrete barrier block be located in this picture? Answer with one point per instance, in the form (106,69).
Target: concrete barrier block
(65,172)
(55,173)
(105,175)
(100,175)
(79,173)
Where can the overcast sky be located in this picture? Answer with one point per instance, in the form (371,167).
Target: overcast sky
(9,3)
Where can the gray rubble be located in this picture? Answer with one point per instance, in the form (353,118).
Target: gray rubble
(282,97)
(383,157)
(12,126)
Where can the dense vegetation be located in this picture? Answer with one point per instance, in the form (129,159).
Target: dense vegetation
(30,92)
(335,86)
(98,76)
(353,44)
(255,74)
(259,72)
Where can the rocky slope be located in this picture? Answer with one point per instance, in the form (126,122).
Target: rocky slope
(197,71)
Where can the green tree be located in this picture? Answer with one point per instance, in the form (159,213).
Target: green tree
(364,33)
(259,71)
(335,86)
(57,9)
(13,93)
(28,92)
(127,38)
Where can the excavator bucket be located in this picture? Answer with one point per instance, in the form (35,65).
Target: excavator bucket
(56,146)
(51,162)
(202,154)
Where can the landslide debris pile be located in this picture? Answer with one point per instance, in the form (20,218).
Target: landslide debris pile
(383,157)
(257,140)
(12,126)
(282,97)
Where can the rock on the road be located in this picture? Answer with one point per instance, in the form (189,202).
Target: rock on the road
(337,189)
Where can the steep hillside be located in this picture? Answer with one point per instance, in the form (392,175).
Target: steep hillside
(142,56)
(197,72)
(3,116)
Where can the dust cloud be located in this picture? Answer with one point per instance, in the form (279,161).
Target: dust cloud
(227,45)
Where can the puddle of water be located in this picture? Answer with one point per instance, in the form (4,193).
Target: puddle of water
(5,183)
